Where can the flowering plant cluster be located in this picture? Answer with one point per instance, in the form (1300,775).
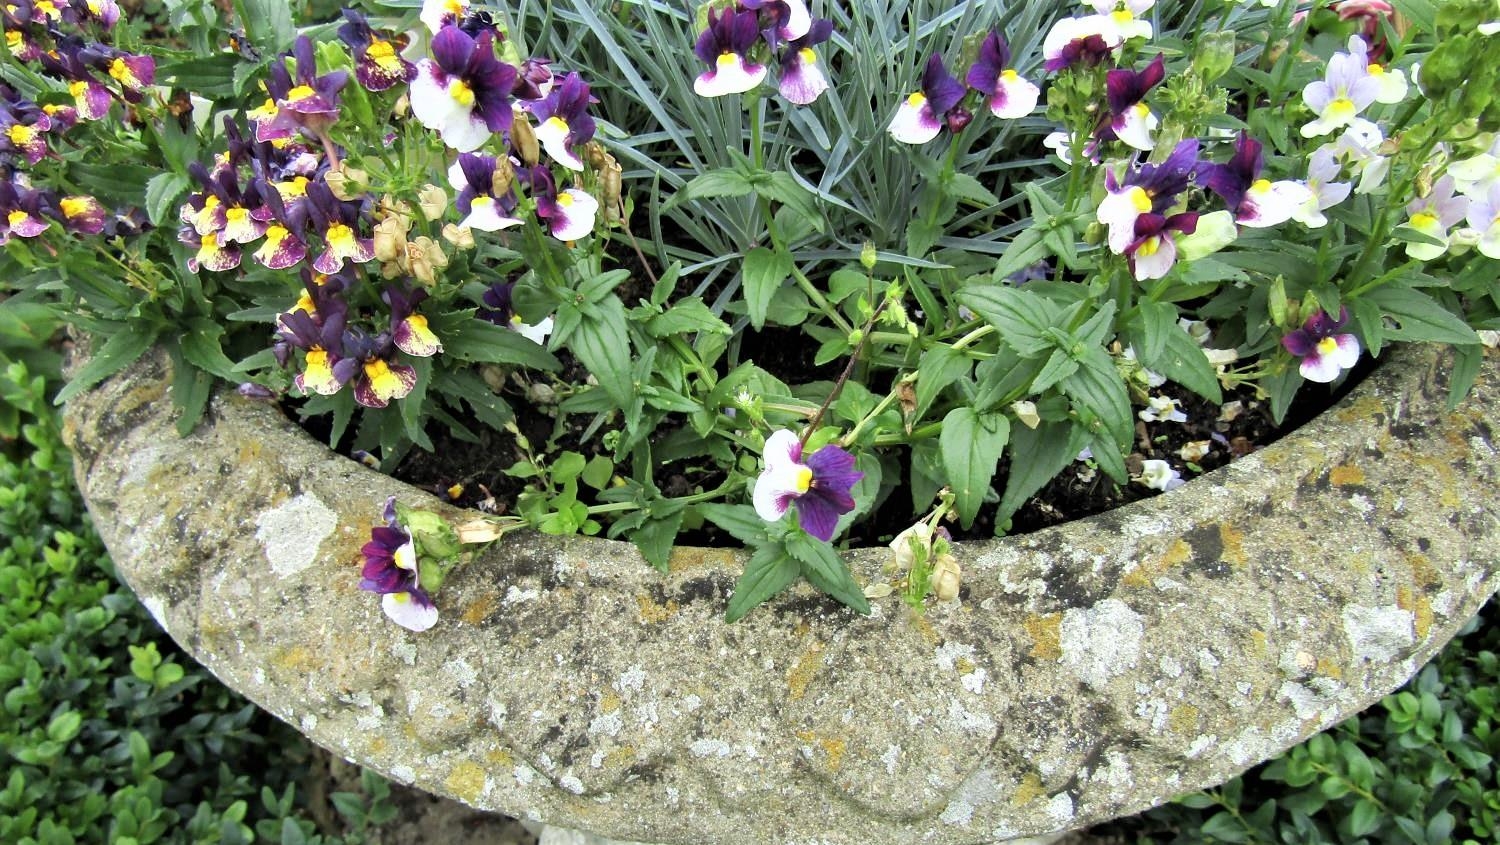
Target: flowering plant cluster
(675,271)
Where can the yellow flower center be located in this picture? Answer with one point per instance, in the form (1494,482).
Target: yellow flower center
(236,216)
(565,199)
(301,92)
(807,56)
(556,124)
(804,479)
(48,8)
(1424,220)
(1327,346)
(304,303)
(1139,199)
(121,73)
(20,134)
(380,50)
(1009,75)
(293,189)
(13,40)
(1122,16)
(1375,69)
(1341,108)
(340,237)
(1149,247)
(1260,186)
(727,60)
(317,368)
(15,218)
(454,7)
(75,206)
(77,89)
(461,92)
(916,100)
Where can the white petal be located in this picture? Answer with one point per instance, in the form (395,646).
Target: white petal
(914,123)
(456,178)
(537,333)
(1020,99)
(1319,368)
(553,133)
(408,613)
(1138,125)
(803,82)
(798,22)
(577,218)
(1158,263)
(782,449)
(1119,211)
(484,215)
(1272,204)
(731,76)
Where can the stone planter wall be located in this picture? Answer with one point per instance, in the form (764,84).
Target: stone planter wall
(1090,670)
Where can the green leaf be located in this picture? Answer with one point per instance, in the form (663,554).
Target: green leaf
(686,317)
(114,184)
(1098,388)
(602,343)
(827,571)
(940,366)
(654,539)
(962,186)
(1022,317)
(200,346)
(1364,819)
(1048,448)
(763,272)
(782,187)
(162,193)
(769,571)
(714,183)
(740,521)
(1058,367)
(596,288)
(470,339)
(1423,13)
(1157,321)
(971,445)
(1224,827)
(64,726)
(1182,360)
(191,390)
(269,24)
(121,350)
(598,472)
(1420,317)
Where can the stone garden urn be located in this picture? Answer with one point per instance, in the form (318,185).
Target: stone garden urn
(1089,670)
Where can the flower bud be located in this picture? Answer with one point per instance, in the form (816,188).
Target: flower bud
(1215,231)
(868,256)
(594,154)
(425,257)
(347,183)
(390,207)
(251,390)
(524,139)
(461,237)
(945,577)
(433,201)
(390,240)
(958,118)
(611,188)
(1214,56)
(432,534)
(1025,411)
(904,548)
(1276,302)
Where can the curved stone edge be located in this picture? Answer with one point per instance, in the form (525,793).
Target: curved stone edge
(1027,707)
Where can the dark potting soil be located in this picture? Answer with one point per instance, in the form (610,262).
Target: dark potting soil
(472,474)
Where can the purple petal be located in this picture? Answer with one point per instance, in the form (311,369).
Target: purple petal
(817,516)
(833,471)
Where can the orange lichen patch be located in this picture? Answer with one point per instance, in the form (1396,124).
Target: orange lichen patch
(1257,643)
(964,665)
(1419,606)
(609,703)
(1422,570)
(1233,541)
(1143,574)
(651,612)
(620,758)
(1045,631)
(1330,669)
(803,671)
(378,744)
(480,608)
(1029,789)
(833,749)
(1360,410)
(466,781)
(1183,719)
(499,758)
(248,451)
(1346,474)
(299,658)
(690,557)
(925,628)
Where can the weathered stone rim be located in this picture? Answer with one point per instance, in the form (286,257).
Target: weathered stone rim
(1077,602)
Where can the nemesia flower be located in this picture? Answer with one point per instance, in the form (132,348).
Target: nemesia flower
(1124,14)
(535,80)
(1355,149)
(1061,145)
(1484,217)
(487,203)
(1255,202)
(377,65)
(463,92)
(1162,409)
(284,246)
(1009,95)
(391,570)
(725,47)
(440,13)
(312,103)
(82,214)
(1088,41)
(1433,215)
(498,310)
(28,139)
(379,379)
(790,18)
(569,213)
(337,221)
(802,80)
(409,329)
(1476,174)
(920,117)
(1159,475)
(213,254)
(1340,96)
(325,368)
(1323,192)
(565,124)
(1130,120)
(1391,86)
(1154,188)
(820,485)
(22,211)
(106,12)
(1153,252)
(1325,352)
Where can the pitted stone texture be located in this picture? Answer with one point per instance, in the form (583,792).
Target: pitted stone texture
(1091,670)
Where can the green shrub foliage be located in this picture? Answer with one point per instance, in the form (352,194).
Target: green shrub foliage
(109,733)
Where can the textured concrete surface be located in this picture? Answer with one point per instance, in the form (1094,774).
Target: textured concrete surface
(1090,670)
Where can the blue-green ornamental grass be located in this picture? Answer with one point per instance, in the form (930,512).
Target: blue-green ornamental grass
(997,229)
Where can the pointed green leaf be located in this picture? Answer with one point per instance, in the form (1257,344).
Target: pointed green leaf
(971,445)
(763,273)
(769,571)
(827,571)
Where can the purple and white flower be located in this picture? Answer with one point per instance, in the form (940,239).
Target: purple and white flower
(565,124)
(484,207)
(819,485)
(1162,409)
(392,571)
(1009,96)
(1325,351)
(725,47)
(377,65)
(921,115)
(1153,252)
(463,92)
(790,19)
(1125,15)
(1338,98)
(1433,215)
(1087,41)
(569,213)
(1159,475)
(1255,202)
(409,330)
(1131,120)
(1154,188)
(1484,217)
(802,79)
(1323,191)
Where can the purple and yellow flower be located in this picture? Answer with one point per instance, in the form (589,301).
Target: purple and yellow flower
(565,124)
(377,64)
(1325,351)
(212,252)
(23,211)
(463,92)
(1153,252)
(380,379)
(1130,120)
(725,47)
(486,203)
(1009,96)
(325,368)
(569,213)
(802,80)
(1255,202)
(284,246)
(1433,215)
(409,330)
(82,214)
(820,485)
(1154,188)
(1087,41)
(312,103)
(338,223)
(391,570)
(25,134)
(922,114)
(1125,15)
(1346,90)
